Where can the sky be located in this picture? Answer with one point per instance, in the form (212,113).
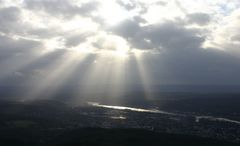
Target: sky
(114,43)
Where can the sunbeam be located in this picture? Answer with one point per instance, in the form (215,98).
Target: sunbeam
(105,76)
(144,74)
(56,75)
(119,72)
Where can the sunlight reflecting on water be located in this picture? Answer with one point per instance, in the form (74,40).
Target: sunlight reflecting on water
(156,111)
(118,118)
(130,108)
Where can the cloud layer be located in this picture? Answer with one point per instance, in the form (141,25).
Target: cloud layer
(180,42)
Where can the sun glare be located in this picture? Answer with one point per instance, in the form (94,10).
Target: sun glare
(121,53)
(112,12)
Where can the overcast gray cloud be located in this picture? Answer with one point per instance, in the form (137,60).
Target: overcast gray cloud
(180,42)
(9,17)
(171,35)
(62,8)
(199,18)
(11,47)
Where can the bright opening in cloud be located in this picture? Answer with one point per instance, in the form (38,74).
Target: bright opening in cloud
(112,13)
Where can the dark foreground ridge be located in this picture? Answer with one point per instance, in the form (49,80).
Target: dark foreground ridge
(52,123)
(103,137)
